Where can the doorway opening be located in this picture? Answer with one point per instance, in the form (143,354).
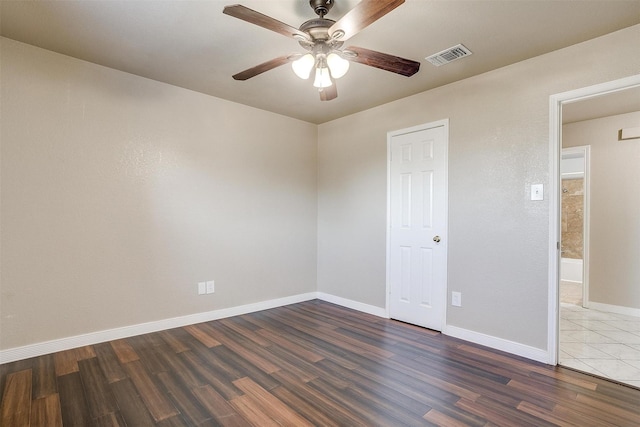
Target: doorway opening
(574,222)
(597,330)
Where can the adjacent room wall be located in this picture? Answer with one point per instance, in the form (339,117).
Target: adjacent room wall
(120,193)
(614,243)
(498,147)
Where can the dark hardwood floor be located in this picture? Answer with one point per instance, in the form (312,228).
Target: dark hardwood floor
(311,363)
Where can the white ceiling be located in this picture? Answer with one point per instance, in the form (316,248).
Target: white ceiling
(193,45)
(610,104)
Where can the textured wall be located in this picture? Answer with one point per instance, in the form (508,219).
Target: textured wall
(614,243)
(120,193)
(572,217)
(498,147)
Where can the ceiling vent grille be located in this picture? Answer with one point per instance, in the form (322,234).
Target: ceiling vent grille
(449,55)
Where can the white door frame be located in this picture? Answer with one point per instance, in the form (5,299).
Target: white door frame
(555,138)
(445,124)
(585,153)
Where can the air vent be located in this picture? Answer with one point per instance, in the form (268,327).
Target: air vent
(449,55)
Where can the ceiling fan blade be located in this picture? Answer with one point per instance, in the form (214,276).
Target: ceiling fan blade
(264,21)
(365,13)
(395,64)
(329,93)
(259,69)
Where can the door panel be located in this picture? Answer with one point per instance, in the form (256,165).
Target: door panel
(417,207)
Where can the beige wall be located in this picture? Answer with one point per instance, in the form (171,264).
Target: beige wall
(120,193)
(614,244)
(498,147)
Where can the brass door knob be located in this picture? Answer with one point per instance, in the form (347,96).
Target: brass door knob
(436,239)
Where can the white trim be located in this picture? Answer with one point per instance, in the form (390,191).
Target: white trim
(354,305)
(512,347)
(584,151)
(572,175)
(39,349)
(586,218)
(610,308)
(387,267)
(555,137)
(571,270)
(445,124)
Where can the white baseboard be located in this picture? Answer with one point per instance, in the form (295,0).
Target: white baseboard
(496,343)
(39,349)
(354,305)
(617,309)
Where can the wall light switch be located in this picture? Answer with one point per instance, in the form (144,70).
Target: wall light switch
(210,287)
(202,288)
(537,192)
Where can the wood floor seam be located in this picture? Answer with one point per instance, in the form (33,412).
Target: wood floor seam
(308,364)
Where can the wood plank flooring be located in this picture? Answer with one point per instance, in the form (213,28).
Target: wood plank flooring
(307,364)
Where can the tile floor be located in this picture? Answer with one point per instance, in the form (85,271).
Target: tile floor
(600,343)
(571,292)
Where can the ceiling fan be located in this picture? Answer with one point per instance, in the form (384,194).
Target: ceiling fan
(323,39)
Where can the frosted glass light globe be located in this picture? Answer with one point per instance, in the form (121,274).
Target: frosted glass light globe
(338,65)
(303,66)
(323,78)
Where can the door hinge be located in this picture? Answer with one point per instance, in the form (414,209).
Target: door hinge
(558,245)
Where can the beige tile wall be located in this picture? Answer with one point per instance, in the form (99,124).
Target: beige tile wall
(572,218)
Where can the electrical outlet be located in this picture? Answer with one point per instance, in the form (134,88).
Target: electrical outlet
(456,299)
(210,287)
(202,288)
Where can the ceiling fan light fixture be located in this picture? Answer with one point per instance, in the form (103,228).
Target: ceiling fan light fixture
(303,66)
(323,78)
(338,65)
(323,39)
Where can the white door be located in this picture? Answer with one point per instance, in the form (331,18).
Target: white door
(417,243)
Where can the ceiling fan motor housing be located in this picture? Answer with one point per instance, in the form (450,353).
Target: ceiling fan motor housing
(317,28)
(321,7)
